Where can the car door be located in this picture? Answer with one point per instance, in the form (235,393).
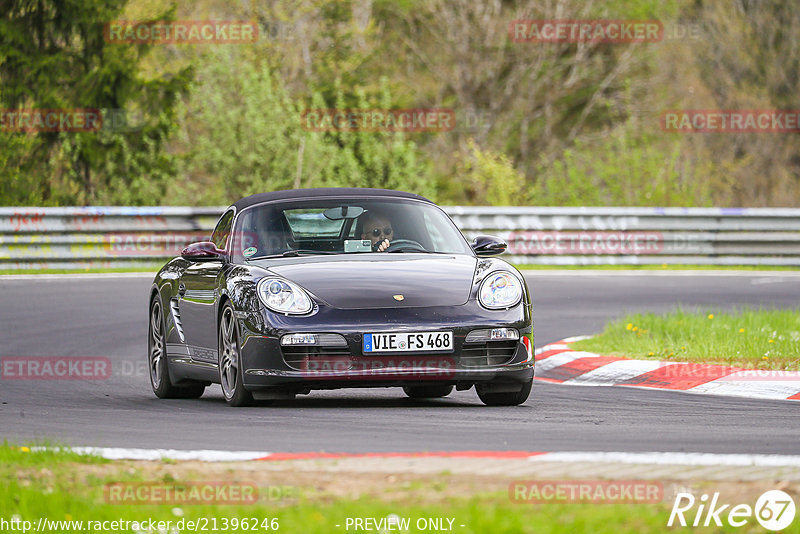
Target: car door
(198,295)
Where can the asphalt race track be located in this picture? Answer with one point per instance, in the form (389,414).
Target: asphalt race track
(108,317)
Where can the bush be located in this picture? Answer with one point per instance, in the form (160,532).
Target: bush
(241,133)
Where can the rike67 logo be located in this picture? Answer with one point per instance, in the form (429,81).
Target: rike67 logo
(774,510)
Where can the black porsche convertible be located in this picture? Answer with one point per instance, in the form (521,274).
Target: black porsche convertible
(301,290)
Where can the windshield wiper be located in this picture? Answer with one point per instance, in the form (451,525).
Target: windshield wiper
(294,253)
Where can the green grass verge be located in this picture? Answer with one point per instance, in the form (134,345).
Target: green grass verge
(145,268)
(41,455)
(659,267)
(61,487)
(758,339)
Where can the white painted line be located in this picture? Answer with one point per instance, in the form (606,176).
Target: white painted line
(672,458)
(764,375)
(76,276)
(614,373)
(170,454)
(653,458)
(646,272)
(761,389)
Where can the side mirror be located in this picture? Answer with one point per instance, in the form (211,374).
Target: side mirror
(488,245)
(202,251)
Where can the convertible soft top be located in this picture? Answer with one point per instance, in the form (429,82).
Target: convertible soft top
(287,194)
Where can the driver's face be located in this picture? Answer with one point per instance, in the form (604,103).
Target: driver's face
(377,229)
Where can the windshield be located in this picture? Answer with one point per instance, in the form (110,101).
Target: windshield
(342,226)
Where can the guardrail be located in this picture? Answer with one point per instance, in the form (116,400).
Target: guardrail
(107,237)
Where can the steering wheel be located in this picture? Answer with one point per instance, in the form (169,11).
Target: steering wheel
(401,244)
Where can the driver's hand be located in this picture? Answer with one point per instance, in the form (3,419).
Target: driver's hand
(381,245)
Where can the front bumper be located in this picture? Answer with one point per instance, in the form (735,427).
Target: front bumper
(265,364)
(323,376)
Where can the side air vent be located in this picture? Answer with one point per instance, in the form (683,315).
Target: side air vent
(176,317)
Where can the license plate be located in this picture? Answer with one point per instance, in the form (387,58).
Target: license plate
(409,342)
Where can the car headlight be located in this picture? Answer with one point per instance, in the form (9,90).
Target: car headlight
(283,296)
(500,290)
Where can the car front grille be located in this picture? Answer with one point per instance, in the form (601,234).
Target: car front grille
(473,355)
(316,358)
(487,354)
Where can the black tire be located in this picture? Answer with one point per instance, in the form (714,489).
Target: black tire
(230,361)
(427,392)
(158,363)
(505,398)
(194,391)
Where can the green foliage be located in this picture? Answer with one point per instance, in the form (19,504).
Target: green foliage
(560,123)
(490,178)
(626,167)
(17,185)
(53,56)
(241,133)
(634,9)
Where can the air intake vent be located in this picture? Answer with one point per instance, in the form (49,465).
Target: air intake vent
(487,354)
(176,317)
(317,358)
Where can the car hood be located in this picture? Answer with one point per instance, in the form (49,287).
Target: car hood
(374,281)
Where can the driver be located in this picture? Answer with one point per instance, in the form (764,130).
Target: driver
(377,229)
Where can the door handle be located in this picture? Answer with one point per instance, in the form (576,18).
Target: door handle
(181,289)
